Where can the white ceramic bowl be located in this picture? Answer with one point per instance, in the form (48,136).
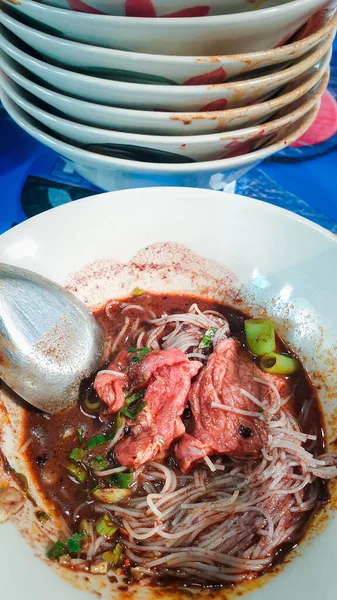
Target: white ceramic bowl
(281,262)
(156,123)
(180,149)
(116,173)
(148,68)
(175,69)
(164,8)
(160,97)
(221,34)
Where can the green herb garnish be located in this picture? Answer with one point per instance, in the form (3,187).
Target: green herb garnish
(134,397)
(121,480)
(24,485)
(95,441)
(94,489)
(105,527)
(42,516)
(139,353)
(59,549)
(77,471)
(138,292)
(77,454)
(80,434)
(73,545)
(99,465)
(206,341)
(114,557)
(134,410)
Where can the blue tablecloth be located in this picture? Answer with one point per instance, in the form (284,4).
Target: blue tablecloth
(33,178)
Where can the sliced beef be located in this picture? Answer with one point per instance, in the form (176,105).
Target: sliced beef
(217,431)
(168,374)
(110,386)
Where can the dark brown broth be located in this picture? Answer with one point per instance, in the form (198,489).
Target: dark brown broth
(49,450)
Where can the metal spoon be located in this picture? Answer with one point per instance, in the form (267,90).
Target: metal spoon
(49,341)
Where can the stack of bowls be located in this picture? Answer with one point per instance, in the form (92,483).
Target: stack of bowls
(165,92)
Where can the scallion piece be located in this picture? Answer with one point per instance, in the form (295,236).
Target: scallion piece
(95,441)
(134,410)
(80,434)
(121,480)
(59,549)
(99,465)
(206,341)
(279,364)
(260,336)
(92,406)
(74,542)
(138,292)
(139,353)
(77,454)
(42,516)
(114,557)
(105,527)
(134,397)
(77,471)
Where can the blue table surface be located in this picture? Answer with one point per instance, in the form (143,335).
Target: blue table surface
(33,178)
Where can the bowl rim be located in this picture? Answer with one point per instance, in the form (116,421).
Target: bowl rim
(303,63)
(273,124)
(277,102)
(185,22)
(149,168)
(279,51)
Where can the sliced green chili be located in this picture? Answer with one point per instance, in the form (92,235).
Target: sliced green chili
(279,364)
(260,336)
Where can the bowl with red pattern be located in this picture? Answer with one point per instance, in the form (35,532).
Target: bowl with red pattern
(162,97)
(234,33)
(171,70)
(178,148)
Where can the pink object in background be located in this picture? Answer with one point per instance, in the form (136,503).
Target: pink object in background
(324,126)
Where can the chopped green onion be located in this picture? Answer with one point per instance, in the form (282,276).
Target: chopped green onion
(161,440)
(105,527)
(206,341)
(99,465)
(80,434)
(134,410)
(134,397)
(94,489)
(121,480)
(42,516)
(111,495)
(59,549)
(74,542)
(77,454)
(260,336)
(24,485)
(95,441)
(139,353)
(138,292)
(114,557)
(77,471)
(279,364)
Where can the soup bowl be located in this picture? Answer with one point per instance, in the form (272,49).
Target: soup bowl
(186,70)
(156,123)
(165,8)
(295,288)
(159,97)
(119,172)
(178,149)
(220,34)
